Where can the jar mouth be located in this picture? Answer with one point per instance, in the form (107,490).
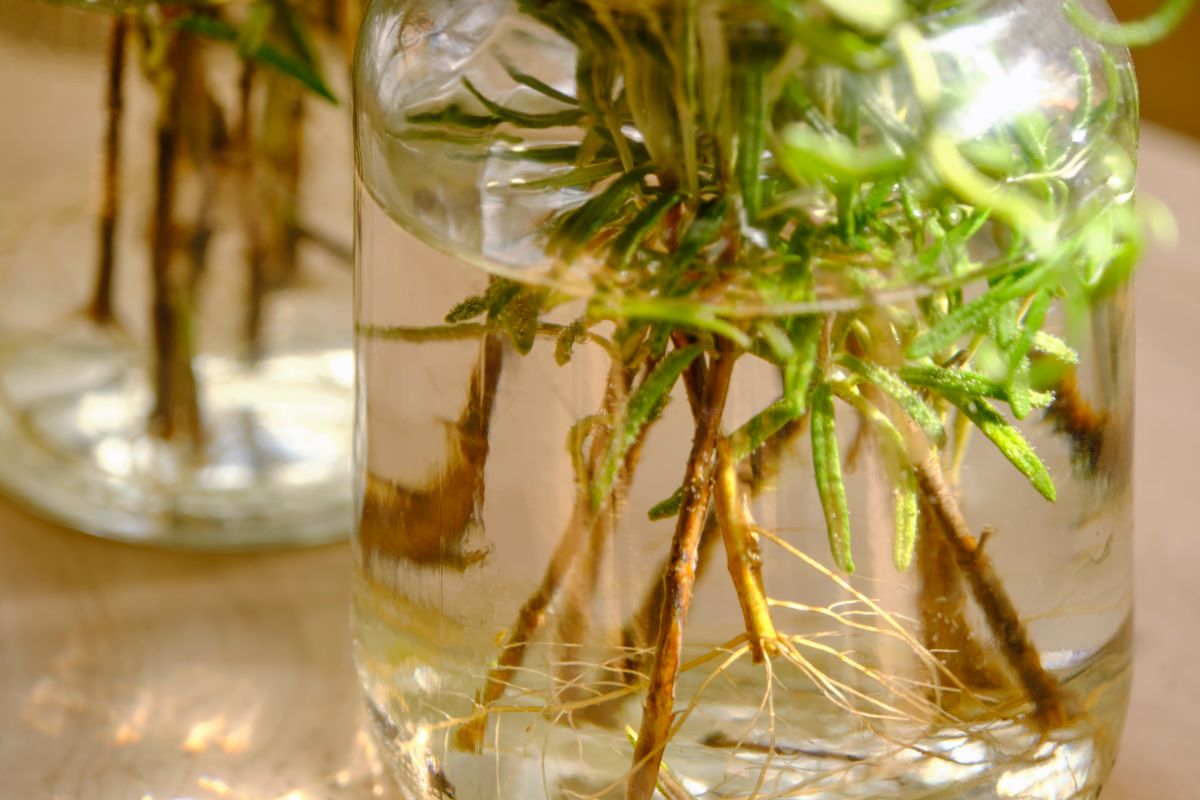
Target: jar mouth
(497,207)
(918,11)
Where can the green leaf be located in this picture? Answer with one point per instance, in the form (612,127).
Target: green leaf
(1030,217)
(896,388)
(1050,345)
(678,313)
(500,292)
(947,382)
(811,157)
(525,79)
(581,176)
(762,426)
(1015,447)
(805,333)
(580,226)
(979,313)
(705,229)
(523,119)
(905,516)
(642,406)
(295,31)
(755,432)
(951,243)
(1130,34)
(519,319)
(453,116)
(626,244)
(218,30)
(571,335)
(904,484)
(1019,388)
(751,130)
(430,333)
(827,469)
(668,508)
(468,309)
(803,338)
(871,16)
(254,30)
(576,438)
(545,154)
(778,343)
(1004,326)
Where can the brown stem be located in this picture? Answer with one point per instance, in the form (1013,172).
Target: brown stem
(642,628)
(532,615)
(1085,427)
(1042,687)
(581,588)
(436,518)
(743,556)
(942,604)
(101,306)
(339,251)
(282,144)
(755,473)
(176,410)
(256,246)
(678,581)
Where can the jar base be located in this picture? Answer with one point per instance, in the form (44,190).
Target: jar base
(818,752)
(272,468)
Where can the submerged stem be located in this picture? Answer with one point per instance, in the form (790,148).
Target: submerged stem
(989,592)
(754,474)
(744,557)
(256,245)
(942,608)
(176,410)
(678,580)
(101,306)
(438,516)
(531,618)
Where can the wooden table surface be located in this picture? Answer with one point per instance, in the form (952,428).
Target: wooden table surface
(133,674)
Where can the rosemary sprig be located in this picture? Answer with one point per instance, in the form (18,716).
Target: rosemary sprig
(751,194)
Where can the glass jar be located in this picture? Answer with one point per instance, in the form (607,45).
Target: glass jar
(744,398)
(175,341)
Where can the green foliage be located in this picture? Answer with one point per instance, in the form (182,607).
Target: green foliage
(1131,34)
(738,190)
(827,469)
(644,404)
(274,33)
(294,65)
(571,335)
(895,387)
(1015,447)
(906,516)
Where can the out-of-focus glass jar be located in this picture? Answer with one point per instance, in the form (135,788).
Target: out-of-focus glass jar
(175,360)
(744,398)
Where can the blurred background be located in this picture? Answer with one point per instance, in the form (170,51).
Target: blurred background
(1166,68)
(150,674)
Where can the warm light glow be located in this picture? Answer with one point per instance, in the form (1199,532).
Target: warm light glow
(130,730)
(237,739)
(1002,94)
(203,734)
(215,785)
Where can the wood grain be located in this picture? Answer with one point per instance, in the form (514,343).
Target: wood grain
(131,673)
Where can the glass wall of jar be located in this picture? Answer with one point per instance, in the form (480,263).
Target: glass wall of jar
(175,359)
(745,398)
